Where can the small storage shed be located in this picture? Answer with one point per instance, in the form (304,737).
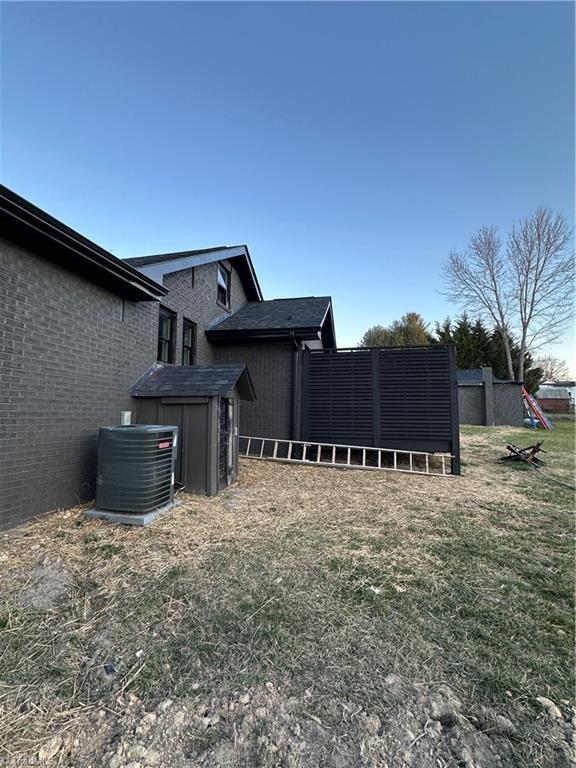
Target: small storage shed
(553,399)
(203,401)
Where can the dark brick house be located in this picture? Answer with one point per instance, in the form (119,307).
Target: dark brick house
(78,326)
(237,325)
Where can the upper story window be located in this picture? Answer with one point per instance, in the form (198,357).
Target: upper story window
(223,286)
(188,342)
(166,335)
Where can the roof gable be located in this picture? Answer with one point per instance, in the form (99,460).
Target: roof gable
(155,267)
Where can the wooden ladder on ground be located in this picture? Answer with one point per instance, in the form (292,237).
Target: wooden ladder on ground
(346,456)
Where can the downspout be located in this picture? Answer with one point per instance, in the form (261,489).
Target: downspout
(294,410)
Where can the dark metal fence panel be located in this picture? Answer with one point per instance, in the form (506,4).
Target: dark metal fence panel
(338,397)
(390,397)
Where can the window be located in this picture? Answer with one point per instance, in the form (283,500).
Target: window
(223,286)
(166,331)
(188,342)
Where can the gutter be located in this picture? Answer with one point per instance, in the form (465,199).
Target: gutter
(26,215)
(268,334)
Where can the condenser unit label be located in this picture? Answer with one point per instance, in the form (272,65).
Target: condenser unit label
(164,445)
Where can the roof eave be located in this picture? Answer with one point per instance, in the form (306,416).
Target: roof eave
(253,275)
(31,225)
(262,334)
(329,315)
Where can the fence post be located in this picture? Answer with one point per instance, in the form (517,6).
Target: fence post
(488,392)
(455,426)
(376,429)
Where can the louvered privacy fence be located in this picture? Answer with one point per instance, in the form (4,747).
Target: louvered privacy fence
(404,398)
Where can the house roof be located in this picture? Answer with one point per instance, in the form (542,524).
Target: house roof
(194,381)
(158,265)
(474,376)
(34,228)
(160,258)
(305,317)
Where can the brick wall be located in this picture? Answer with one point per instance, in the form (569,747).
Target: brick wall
(69,351)
(198,304)
(270,366)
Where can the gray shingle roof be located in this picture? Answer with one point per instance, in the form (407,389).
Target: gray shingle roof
(194,381)
(277,314)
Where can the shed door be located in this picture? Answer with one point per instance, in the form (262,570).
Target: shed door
(224,443)
(193,455)
(174,415)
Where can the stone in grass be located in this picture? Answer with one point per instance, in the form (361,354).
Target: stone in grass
(505,725)
(50,749)
(550,707)
(109,670)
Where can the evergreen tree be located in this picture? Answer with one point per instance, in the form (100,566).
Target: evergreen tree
(477,347)
(473,340)
(533,375)
(443,332)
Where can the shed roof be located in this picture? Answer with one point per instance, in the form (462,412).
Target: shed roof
(552,393)
(194,381)
(307,315)
(566,383)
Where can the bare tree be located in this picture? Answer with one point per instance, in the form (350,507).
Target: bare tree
(541,278)
(526,291)
(477,281)
(553,368)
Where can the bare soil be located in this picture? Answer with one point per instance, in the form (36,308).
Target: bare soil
(305,617)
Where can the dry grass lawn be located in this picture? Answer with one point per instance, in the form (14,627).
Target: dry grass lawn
(320,582)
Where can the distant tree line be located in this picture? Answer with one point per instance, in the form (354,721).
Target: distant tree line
(477,345)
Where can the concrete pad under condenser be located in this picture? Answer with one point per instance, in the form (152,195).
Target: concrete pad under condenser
(130,518)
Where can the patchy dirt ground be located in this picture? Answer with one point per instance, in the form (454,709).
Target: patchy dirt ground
(305,617)
(423,726)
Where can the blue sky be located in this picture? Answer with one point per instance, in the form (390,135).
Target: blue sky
(350,145)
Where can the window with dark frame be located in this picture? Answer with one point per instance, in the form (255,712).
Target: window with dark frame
(166,334)
(223,286)
(188,342)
